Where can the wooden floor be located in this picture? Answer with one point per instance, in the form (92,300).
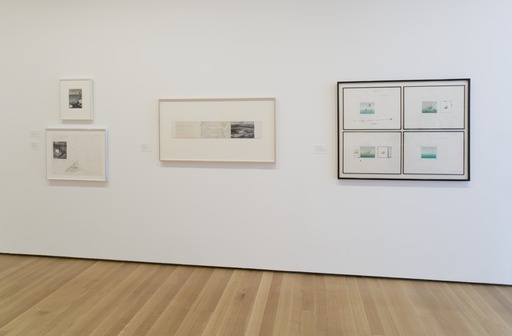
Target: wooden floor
(53,296)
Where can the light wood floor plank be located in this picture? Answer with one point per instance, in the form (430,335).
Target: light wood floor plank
(288,317)
(99,310)
(182,302)
(42,296)
(134,295)
(240,304)
(15,283)
(81,296)
(406,320)
(340,316)
(10,265)
(260,301)
(443,309)
(35,289)
(269,316)
(357,307)
(38,318)
(320,318)
(150,312)
(493,313)
(205,304)
(218,315)
(370,296)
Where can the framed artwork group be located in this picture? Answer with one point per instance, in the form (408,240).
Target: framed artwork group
(76,153)
(415,130)
(399,130)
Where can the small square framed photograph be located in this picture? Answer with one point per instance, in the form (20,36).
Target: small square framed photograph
(76,154)
(76,101)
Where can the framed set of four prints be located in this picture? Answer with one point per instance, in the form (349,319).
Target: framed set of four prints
(404,130)
(76,154)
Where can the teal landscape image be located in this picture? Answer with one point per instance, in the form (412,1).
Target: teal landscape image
(429,107)
(367,152)
(429,152)
(367,108)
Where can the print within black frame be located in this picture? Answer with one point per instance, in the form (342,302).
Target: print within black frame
(404,129)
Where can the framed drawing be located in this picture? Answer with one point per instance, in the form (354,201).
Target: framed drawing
(76,99)
(217,130)
(371,108)
(434,153)
(404,130)
(76,154)
(434,107)
(372,153)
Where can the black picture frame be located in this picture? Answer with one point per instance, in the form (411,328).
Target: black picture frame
(404,129)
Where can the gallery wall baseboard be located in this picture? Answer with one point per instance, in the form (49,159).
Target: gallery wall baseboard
(249,269)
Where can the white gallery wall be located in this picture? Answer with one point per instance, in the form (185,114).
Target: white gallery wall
(292,215)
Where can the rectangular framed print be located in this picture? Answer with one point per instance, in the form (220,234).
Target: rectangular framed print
(217,130)
(434,107)
(371,108)
(404,130)
(76,99)
(434,153)
(371,153)
(76,154)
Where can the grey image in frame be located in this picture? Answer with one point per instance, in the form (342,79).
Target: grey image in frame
(242,129)
(60,150)
(75,98)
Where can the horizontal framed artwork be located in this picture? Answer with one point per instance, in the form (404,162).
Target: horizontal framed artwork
(434,153)
(371,107)
(76,99)
(404,130)
(76,154)
(435,107)
(217,130)
(372,153)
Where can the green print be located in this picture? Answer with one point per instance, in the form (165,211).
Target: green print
(428,152)
(367,152)
(367,108)
(429,107)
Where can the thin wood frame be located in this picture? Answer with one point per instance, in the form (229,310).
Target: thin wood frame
(217,130)
(76,99)
(76,154)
